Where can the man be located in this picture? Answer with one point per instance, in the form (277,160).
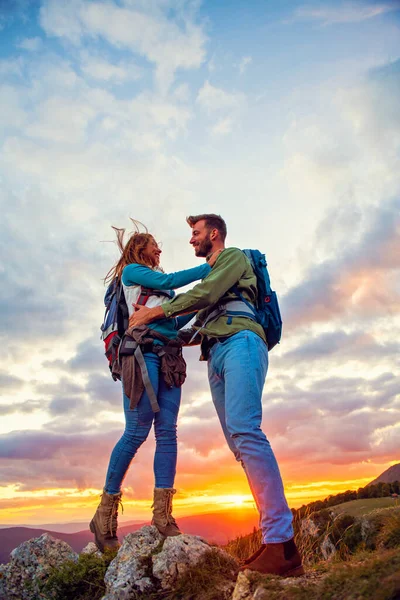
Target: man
(234,345)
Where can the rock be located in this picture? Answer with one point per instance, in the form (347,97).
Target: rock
(30,566)
(91,548)
(146,563)
(178,553)
(242,589)
(328,549)
(130,571)
(184,552)
(261,594)
(309,527)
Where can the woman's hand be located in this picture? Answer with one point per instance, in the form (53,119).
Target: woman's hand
(213,257)
(144,315)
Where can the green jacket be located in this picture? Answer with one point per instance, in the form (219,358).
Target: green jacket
(232,268)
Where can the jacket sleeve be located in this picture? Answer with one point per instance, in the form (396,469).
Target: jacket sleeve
(184,320)
(136,274)
(228,269)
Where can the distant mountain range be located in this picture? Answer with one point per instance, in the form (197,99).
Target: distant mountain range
(217,528)
(72,527)
(391,474)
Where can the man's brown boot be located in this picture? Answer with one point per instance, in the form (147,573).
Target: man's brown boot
(250,559)
(162,512)
(105,522)
(277,559)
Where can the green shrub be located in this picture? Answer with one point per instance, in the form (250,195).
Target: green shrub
(81,580)
(389,533)
(352,537)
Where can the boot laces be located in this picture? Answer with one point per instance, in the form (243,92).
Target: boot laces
(112,516)
(168,495)
(168,507)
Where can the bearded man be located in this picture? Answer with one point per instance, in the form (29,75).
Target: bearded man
(234,345)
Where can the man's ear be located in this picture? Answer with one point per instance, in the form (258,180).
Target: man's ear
(213,234)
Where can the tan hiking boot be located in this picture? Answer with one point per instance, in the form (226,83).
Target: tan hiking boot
(277,559)
(105,522)
(162,512)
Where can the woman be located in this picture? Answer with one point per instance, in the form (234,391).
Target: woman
(138,267)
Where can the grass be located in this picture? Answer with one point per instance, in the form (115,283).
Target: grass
(369,576)
(203,581)
(358,508)
(244,545)
(81,580)
(389,531)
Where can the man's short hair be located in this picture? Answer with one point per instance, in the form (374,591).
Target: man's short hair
(212,222)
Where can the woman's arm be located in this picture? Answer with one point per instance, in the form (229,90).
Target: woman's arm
(136,274)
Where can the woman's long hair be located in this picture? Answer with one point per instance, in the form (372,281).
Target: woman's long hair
(131,251)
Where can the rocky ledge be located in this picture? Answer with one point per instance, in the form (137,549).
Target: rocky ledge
(146,565)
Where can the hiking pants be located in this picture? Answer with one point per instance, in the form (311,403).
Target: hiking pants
(138,422)
(237,368)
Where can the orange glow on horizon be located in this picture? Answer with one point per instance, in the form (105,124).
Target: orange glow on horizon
(68,505)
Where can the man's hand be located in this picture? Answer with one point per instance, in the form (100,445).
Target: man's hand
(144,315)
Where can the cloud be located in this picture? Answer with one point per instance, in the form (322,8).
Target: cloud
(31,44)
(12,67)
(225,105)
(147,31)
(345,12)
(26,407)
(96,67)
(33,445)
(223,127)
(336,346)
(214,99)
(10,382)
(45,295)
(359,280)
(244,63)
(89,357)
(62,120)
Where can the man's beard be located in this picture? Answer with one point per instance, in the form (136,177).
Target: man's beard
(204,248)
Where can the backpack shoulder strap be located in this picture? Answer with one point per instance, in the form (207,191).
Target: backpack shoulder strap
(122,305)
(144,295)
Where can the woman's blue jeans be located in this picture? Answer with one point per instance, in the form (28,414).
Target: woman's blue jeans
(237,368)
(138,422)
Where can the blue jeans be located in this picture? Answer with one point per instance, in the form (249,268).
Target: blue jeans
(138,422)
(237,368)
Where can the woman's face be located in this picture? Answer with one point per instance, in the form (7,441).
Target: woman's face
(152,252)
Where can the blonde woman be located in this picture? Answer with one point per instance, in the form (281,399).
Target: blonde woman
(138,268)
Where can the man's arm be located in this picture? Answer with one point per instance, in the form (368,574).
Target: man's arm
(226,272)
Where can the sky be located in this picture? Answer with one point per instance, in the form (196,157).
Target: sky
(283,117)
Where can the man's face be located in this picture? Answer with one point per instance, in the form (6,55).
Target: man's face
(201,240)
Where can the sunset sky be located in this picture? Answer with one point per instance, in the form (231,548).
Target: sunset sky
(283,117)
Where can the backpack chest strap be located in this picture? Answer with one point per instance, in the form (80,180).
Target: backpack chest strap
(145,294)
(237,308)
(230,308)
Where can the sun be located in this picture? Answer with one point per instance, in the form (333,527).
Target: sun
(236,500)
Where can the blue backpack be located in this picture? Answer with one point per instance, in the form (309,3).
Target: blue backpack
(116,317)
(116,320)
(267,311)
